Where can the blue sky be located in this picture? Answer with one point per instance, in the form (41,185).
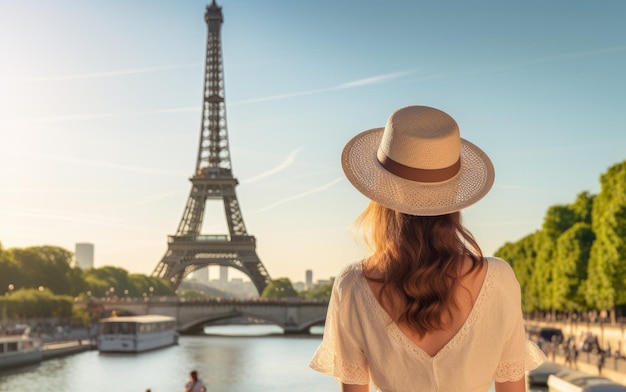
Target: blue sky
(100,114)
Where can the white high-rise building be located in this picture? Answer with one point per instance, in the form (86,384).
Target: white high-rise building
(83,255)
(309,279)
(223,274)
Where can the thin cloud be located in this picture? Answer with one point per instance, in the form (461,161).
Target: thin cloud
(78,218)
(285,164)
(96,75)
(159,197)
(343,86)
(101,116)
(299,196)
(522,64)
(373,80)
(110,165)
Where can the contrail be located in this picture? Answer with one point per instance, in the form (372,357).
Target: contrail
(87,219)
(111,165)
(298,196)
(352,84)
(95,75)
(158,197)
(527,63)
(285,164)
(101,116)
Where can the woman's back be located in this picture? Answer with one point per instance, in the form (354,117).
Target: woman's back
(361,341)
(470,282)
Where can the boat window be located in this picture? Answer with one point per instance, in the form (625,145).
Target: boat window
(1,348)
(11,346)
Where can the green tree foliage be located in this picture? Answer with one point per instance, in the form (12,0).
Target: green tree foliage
(321,293)
(577,260)
(115,281)
(50,267)
(606,285)
(9,272)
(522,255)
(570,267)
(47,266)
(279,288)
(583,206)
(33,303)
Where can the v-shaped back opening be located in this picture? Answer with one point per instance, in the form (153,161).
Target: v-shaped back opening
(455,336)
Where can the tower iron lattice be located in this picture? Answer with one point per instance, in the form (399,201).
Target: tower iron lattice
(189,249)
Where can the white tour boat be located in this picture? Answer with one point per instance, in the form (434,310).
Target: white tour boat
(19,350)
(136,333)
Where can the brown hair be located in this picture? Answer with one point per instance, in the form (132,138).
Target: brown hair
(420,259)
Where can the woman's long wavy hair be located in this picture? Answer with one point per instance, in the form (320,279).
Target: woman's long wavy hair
(421,259)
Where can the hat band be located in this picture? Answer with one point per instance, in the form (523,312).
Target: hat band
(415,174)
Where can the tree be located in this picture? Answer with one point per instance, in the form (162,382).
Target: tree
(279,288)
(9,272)
(321,293)
(583,207)
(606,285)
(522,255)
(570,272)
(46,266)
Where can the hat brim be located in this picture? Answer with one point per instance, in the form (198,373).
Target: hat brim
(364,171)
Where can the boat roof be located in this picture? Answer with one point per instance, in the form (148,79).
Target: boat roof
(15,338)
(147,318)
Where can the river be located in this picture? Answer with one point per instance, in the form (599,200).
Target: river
(266,361)
(230,359)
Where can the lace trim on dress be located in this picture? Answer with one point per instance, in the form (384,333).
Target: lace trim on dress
(514,370)
(509,371)
(456,340)
(326,362)
(534,356)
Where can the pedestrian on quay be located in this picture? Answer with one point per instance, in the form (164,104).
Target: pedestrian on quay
(194,384)
(426,311)
(601,358)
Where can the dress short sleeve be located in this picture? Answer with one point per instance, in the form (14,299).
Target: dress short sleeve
(519,354)
(340,354)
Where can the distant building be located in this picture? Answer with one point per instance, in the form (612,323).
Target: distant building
(83,255)
(324,282)
(309,279)
(201,275)
(223,274)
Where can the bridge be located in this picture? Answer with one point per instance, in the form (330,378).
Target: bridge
(294,316)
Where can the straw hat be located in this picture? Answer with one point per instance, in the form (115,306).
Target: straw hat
(418,164)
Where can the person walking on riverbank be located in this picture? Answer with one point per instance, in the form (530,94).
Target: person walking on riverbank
(426,311)
(194,384)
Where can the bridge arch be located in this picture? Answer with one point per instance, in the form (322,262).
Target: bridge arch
(293,316)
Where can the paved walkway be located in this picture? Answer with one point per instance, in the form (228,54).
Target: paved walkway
(609,336)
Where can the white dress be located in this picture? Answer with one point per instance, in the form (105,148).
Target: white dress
(361,344)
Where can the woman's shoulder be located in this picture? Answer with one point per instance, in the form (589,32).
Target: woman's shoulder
(349,276)
(350,272)
(502,271)
(502,274)
(499,266)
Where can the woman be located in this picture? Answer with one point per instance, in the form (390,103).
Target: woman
(426,311)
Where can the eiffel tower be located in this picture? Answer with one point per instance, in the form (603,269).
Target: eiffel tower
(190,250)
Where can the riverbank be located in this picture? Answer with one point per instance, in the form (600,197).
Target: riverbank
(59,349)
(610,338)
